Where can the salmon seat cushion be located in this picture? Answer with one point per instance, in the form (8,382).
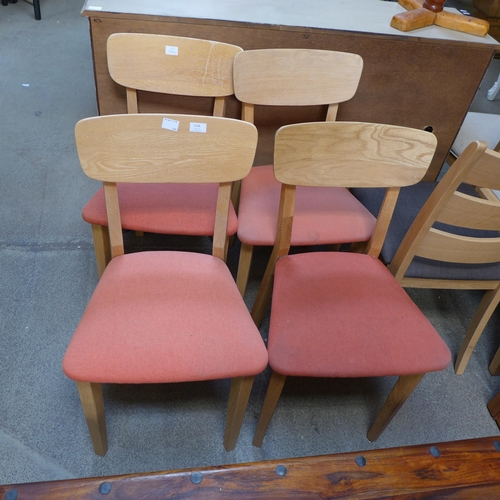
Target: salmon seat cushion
(187,209)
(323,215)
(337,314)
(158,317)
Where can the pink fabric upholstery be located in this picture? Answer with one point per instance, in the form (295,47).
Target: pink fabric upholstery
(345,315)
(163,208)
(322,215)
(160,317)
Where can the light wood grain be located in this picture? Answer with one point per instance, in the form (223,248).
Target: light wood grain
(171,64)
(93,409)
(296,77)
(399,394)
(471,212)
(135,148)
(351,154)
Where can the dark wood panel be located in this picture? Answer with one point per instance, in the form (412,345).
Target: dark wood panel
(460,470)
(406,80)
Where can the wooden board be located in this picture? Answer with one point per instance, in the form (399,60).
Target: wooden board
(459,470)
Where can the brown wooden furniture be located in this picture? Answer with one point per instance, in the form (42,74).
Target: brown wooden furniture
(166,65)
(421,80)
(343,314)
(464,470)
(165,317)
(295,77)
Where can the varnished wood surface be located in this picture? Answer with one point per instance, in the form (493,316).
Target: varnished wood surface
(460,470)
(411,81)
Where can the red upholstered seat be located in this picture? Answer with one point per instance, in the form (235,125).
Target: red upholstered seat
(187,209)
(322,215)
(344,315)
(139,328)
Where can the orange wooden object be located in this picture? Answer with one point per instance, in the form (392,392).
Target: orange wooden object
(423,13)
(460,470)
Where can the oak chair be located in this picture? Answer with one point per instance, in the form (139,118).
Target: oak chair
(165,316)
(445,236)
(343,314)
(295,77)
(167,65)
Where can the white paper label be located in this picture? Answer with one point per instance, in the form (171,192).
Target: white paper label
(94,7)
(170,124)
(171,50)
(198,127)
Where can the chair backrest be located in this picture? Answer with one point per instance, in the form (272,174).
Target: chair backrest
(295,77)
(171,65)
(154,148)
(479,167)
(348,154)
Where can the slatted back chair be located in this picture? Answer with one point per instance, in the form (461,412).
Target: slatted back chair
(454,243)
(168,65)
(343,314)
(165,316)
(295,77)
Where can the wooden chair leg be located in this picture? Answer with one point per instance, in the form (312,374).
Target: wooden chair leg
(102,247)
(494,408)
(272,397)
(93,409)
(244,263)
(399,394)
(238,400)
(481,317)
(495,364)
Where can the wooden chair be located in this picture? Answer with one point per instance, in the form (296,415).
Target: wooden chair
(444,235)
(295,77)
(165,316)
(342,314)
(168,65)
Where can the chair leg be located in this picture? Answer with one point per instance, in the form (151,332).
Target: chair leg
(495,364)
(244,263)
(38,14)
(93,409)
(481,317)
(102,247)
(494,408)
(272,397)
(399,394)
(238,400)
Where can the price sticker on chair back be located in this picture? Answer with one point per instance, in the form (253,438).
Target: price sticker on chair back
(171,50)
(198,127)
(170,124)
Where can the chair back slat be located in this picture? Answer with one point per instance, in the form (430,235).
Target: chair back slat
(296,77)
(471,212)
(171,64)
(142,148)
(351,154)
(447,206)
(447,247)
(486,172)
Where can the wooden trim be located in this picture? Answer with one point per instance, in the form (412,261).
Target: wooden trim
(467,469)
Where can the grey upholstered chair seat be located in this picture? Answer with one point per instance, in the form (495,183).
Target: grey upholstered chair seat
(410,201)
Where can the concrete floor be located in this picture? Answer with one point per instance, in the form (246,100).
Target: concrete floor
(47,274)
